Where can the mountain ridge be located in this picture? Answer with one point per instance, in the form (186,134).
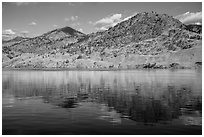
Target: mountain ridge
(143,35)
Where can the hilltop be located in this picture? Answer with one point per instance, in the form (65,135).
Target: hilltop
(147,40)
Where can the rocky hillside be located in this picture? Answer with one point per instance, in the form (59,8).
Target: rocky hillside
(147,40)
(194,28)
(18,39)
(46,43)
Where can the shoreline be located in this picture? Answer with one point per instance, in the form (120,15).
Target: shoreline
(94,69)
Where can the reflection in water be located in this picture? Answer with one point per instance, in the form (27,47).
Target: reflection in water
(147,97)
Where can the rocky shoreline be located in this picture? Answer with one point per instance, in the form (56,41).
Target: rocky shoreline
(173,66)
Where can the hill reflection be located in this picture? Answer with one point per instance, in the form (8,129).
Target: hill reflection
(143,96)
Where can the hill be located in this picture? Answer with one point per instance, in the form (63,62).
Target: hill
(17,39)
(147,40)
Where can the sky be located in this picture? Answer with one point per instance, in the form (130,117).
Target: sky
(35,18)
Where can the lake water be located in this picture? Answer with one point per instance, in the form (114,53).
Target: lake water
(102,102)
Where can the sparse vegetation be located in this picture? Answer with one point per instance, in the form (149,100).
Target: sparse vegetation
(147,40)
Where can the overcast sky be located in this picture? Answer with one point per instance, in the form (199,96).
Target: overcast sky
(34,19)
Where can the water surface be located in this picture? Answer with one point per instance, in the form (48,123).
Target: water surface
(102,102)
